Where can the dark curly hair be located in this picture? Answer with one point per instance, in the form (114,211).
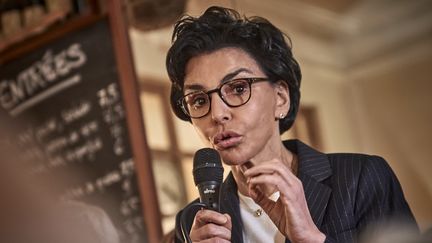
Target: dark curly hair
(221,27)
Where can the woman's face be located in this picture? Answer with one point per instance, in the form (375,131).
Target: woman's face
(246,133)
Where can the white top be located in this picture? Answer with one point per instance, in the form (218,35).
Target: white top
(257,226)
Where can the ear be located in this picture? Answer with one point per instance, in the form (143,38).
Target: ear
(282,99)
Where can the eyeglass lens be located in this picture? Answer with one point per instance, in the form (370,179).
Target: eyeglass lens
(234,93)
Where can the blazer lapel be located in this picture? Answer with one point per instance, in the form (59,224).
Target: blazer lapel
(314,167)
(230,205)
(317,196)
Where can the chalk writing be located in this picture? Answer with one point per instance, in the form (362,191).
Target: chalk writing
(86,150)
(38,76)
(76,112)
(66,98)
(108,179)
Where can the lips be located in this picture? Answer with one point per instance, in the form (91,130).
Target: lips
(226,140)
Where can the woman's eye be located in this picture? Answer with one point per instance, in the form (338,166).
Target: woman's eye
(238,88)
(198,101)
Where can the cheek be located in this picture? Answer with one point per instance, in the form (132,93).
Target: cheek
(200,128)
(262,113)
(261,120)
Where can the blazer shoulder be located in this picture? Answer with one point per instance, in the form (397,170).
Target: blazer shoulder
(362,170)
(361,161)
(353,157)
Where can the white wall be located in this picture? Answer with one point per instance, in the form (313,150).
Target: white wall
(394,114)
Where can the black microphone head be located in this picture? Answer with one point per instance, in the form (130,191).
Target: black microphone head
(207,166)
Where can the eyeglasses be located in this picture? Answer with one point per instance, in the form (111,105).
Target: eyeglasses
(234,93)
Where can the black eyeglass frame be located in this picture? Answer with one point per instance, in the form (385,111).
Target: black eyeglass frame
(181,103)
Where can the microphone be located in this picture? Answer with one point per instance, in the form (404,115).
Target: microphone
(208,174)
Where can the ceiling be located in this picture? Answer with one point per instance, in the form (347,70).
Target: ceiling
(336,33)
(337,6)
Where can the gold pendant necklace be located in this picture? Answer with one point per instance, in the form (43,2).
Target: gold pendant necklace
(255,212)
(258,212)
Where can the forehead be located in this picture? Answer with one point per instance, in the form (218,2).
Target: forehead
(210,69)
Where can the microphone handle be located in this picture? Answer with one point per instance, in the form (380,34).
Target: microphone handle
(209,194)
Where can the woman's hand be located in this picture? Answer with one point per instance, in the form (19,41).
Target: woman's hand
(211,226)
(290,212)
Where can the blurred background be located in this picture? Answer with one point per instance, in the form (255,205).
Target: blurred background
(366,64)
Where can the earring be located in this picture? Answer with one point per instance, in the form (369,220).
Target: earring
(281,116)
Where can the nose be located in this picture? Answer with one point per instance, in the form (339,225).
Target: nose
(220,112)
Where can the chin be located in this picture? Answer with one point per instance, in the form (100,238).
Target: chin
(233,157)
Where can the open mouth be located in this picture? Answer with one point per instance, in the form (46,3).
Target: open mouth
(226,140)
(225,137)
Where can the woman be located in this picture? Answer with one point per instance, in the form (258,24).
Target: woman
(238,84)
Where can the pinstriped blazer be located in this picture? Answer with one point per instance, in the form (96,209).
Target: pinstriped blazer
(345,193)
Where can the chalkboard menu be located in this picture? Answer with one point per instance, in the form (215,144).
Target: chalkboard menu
(68,102)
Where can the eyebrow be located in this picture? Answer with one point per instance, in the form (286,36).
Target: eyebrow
(225,79)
